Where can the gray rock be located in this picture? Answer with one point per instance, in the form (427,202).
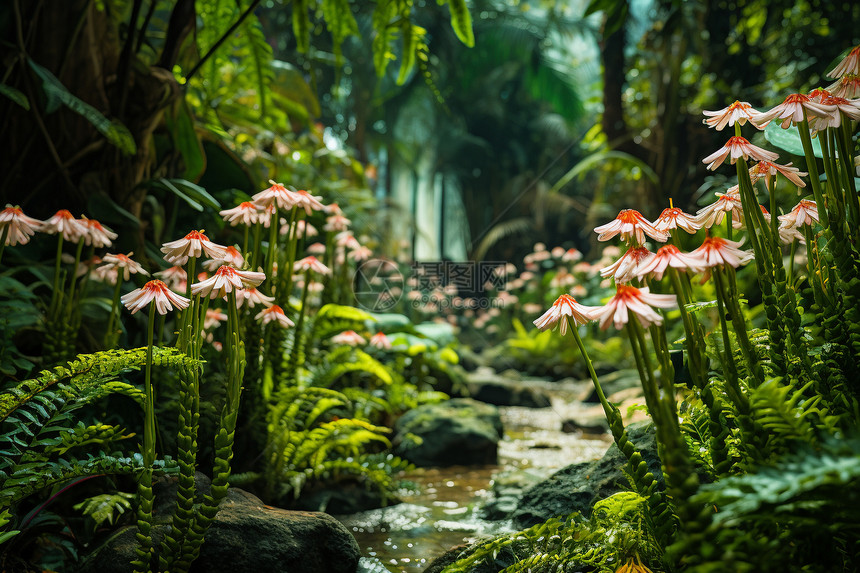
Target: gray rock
(505,390)
(585,425)
(457,432)
(246,536)
(577,487)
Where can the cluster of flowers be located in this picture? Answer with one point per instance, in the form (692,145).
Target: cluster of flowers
(820,109)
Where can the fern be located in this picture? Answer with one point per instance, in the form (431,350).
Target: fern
(340,22)
(106,507)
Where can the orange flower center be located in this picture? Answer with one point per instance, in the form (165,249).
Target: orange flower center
(629,216)
(626,292)
(225,270)
(666,250)
(739,105)
(64,214)
(196,236)
(796,98)
(736,140)
(155,286)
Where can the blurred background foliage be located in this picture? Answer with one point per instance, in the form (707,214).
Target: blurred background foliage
(559,115)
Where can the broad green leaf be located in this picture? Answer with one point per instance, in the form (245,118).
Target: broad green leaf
(15,96)
(181,127)
(789,139)
(114,131)
(461,22)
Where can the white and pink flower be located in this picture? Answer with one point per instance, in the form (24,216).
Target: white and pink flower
(154,291)
(563,310)
(632,226)
(225,280)
(194,244)
(737,147)
(274,314)
(19,227)
(631,300)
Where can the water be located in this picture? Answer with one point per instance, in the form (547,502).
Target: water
(445,511)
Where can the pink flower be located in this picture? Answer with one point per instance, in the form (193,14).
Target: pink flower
(850,64)
(174,276)
(361,253)
(848,87)
(246,212)
(630,224)
(336,223)
(124,263)
(194,244)
(564,309)
(277,195)
(252,297)
(225,280)
(674,218)
(571,255)
(214,317)
(20,227)
(157,291)
(804,213)
(348,337)
(303,229)
(333,209)
(96,234)
(231,257)
(346,239)
(316,249)
(379,340)
(791,112)
(311,263)
(625,268)
(843,108)
(737,147)
(629,299)
(274,313)
(307,201)
(65,223)
(713,214)
(669,256)
(769,170)
(739,112)
(716,251)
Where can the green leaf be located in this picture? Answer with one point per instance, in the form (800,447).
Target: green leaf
(301,25)
(114,131)
(195,195)
(789,140)
(181,127)
(15,96)
(461,22)
(700,306)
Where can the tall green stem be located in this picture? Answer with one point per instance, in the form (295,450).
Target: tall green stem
(144,484)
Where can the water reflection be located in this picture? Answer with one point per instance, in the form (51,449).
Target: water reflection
(445,510)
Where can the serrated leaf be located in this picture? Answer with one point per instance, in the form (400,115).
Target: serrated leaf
(57,94)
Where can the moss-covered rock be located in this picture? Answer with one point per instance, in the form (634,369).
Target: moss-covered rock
(457,432)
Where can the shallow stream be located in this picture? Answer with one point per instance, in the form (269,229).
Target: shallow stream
(446,509)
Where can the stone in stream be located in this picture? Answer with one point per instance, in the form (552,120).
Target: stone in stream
(506,389)
(461,431)
(245,536)
(577,487)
